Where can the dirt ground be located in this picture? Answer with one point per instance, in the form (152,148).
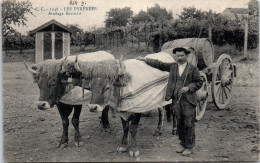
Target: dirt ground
(222,135)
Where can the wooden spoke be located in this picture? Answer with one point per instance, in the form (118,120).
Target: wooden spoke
(218,76)
(218,93)
(219,73)
(217,82)
(228,88)
(223,95)
(217,88)
(225,92)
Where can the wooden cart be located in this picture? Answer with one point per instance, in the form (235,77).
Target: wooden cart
(218,77)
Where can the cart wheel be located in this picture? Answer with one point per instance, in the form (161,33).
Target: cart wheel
(222,81)
(202,95)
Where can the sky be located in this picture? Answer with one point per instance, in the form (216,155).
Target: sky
(96,16)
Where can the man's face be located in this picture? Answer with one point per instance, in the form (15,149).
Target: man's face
(181,57)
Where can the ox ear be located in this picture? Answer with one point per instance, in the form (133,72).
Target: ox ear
(122,80)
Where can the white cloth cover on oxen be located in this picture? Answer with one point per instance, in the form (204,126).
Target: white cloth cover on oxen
(161,56)
(93,56)
(147,89)
(75,96)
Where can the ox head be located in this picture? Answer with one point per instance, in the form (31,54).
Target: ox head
(70,72)
(50,82)
(106,91)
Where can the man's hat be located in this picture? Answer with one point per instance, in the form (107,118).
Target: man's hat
(178,49)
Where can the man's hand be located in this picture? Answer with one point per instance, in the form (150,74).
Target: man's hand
(184,90)
(141,58)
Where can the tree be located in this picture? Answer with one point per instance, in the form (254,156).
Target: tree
(253,16)
(159,14)
(253,24)
(118,17)
(77,34)
(191,12)
(142,16)
(253,7)
(13,13)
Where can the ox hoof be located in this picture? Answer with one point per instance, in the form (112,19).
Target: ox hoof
(121,149)
(157,133)
(79,144)
(64,145)
(134,153)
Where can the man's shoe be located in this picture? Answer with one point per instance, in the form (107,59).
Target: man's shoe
(180,150)
(187,152)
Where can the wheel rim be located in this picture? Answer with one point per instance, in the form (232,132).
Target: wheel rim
(222,81)
(202,99)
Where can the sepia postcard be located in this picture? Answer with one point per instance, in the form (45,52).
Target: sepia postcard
(130,80)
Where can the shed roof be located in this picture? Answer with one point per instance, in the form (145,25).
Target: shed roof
(49,23)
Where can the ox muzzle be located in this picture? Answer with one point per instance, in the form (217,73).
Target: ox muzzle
(95,108)
(43,105)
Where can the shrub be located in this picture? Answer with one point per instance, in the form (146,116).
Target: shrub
(226,49)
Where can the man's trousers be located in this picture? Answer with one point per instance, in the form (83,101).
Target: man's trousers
(185,114)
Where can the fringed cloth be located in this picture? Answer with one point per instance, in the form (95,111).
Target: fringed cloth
(74,96)
(147,88)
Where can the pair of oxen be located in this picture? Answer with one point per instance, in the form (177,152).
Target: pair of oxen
(57,77)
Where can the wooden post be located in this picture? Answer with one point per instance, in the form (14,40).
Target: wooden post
(132,37)
(246,36)
(160,38)
(52,45)
(126,41)
(117,40)
(210,33)
(138,39)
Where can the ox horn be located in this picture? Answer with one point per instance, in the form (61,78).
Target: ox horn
(77,64)
(77,67)
(76,60)
(62,63)
(29,69)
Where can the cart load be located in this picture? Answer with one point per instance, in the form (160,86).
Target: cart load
(202,53)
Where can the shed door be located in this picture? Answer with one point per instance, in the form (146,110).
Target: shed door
(47,46)
(58,45)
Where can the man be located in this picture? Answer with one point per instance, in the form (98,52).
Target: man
(184,80)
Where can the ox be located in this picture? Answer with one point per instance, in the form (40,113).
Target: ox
(107,78)
(52,82)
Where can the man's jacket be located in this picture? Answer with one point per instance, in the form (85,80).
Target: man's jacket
(193,79)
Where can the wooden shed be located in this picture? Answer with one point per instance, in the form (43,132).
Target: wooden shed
(52,40)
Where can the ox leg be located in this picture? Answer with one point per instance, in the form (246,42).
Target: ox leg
(123,147)
(168,112)
(133,151)
(104,118)
(174,122)
(75,123)
(65,111)
(158,131)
